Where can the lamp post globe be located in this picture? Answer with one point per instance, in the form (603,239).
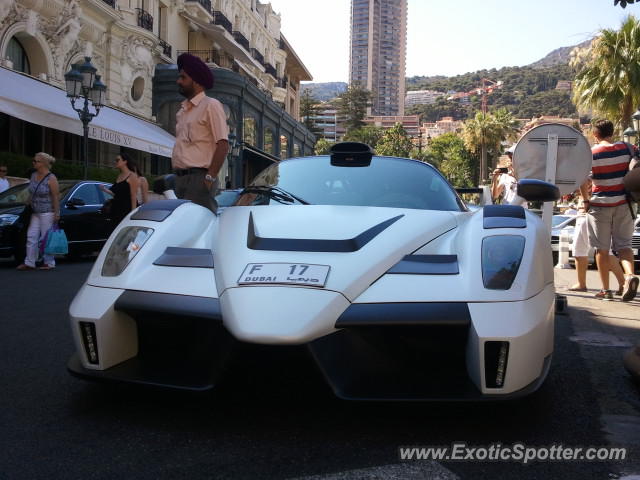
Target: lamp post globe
(630,135)
(635,118)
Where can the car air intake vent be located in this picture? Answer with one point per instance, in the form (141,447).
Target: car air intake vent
(351,154)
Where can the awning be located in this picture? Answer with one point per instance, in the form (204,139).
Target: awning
(38,102)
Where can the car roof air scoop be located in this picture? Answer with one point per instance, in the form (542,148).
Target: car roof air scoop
(351,154)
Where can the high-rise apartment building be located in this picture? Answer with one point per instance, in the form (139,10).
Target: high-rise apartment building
(378,50)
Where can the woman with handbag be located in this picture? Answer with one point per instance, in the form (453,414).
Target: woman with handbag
(124,190)
(45,208)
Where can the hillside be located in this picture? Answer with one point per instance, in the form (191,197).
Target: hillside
(527,91)
(560,56)
(325,91)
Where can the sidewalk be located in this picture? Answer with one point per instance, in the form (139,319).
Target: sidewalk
(616,310)
(597,322)
(604,332)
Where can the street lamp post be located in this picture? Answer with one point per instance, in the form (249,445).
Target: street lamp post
(83,83)
(635,119)
(234,152)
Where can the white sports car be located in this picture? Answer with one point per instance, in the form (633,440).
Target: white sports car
(372,264)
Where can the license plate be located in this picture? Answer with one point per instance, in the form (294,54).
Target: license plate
(284,273)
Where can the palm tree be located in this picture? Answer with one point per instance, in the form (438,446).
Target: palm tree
(481,134)
(608,77)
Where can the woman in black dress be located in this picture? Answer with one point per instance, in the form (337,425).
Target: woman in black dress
(124,190)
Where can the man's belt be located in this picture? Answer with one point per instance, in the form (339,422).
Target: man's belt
(188,171)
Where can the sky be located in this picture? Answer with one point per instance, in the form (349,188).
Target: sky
(450,37)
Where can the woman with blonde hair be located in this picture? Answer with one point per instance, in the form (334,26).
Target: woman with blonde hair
(45,206)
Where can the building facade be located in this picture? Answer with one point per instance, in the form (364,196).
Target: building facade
(431,130)
(422,97)
(127,40)
(411,123)
(327,120)
(378,52)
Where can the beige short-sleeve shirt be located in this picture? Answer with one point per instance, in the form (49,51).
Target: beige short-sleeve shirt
(200,124)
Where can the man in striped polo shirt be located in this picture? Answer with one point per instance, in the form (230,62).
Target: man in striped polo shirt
(610,217)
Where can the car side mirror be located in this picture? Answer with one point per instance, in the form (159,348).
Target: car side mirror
(75,202)
(533,190)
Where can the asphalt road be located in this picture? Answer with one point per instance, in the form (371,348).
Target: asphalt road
(283,424)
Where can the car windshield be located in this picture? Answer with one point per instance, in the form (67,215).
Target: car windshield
(19,194)
(16,194)
(386,182)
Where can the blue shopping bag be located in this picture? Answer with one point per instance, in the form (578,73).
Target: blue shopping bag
(56,242)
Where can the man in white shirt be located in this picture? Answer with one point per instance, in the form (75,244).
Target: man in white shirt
(503,182)
(4,182)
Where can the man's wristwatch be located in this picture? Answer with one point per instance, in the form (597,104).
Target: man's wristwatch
(209,178)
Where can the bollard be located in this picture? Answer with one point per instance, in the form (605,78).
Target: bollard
(563,249)
(561,304)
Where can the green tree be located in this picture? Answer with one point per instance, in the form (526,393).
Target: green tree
(309,108)
(352,106)
(448,153)
(483,135)
(395,142)
(322,146)
(608,77)
(368,134)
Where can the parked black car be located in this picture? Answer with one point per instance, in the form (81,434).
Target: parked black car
(81,217)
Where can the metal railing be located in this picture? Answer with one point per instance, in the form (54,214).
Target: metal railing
(166,48)
(207,56)
(257,55)
(145,20)
(271,70)
(220,19)
(241,39)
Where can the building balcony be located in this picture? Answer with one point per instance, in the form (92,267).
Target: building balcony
(220,19)
(241,39)
(271,70)
(279,95)
(257,55)
(206,4)
(207,56)
(145,20)
(282,82)
(166,48)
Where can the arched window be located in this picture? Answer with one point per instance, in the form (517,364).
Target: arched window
(250,130)
(284,147)
(268,145)
(18,55)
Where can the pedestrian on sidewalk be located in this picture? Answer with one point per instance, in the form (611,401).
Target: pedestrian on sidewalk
(201,135)
(124,190)
(45,206)
(610,217)
(581,249)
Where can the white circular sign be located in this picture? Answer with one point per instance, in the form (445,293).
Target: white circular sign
(573,159)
